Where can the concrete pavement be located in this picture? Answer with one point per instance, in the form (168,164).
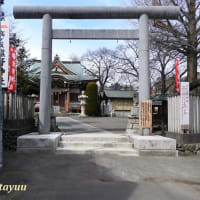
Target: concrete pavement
(88,177)
(92,124)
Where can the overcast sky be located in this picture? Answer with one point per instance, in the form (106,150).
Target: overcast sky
(30,30)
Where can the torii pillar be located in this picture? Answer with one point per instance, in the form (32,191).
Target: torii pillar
(45,77)
(144,74)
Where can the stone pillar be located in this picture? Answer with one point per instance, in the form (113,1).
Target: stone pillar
(45,77)
(144,75)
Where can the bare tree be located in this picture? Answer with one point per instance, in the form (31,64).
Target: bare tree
(182,35)
(162,66)
(127,58)
(100,64)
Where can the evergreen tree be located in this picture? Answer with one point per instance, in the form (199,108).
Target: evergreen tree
(92,107)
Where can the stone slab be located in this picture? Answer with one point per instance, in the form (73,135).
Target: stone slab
(35,142)
(153,142)
(173,153)
(134,131)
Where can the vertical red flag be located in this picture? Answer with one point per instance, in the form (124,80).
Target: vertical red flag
(177,79)
(13,68)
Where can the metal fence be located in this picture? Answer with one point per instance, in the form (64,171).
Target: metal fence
(17,106)
(174,114)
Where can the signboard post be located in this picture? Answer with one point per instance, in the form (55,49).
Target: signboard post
(184,105)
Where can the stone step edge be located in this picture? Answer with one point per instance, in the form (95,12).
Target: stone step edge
(124,151)
(95,149)
(95,145)
(123,139)
(134,152)
(95,135)
(93,142)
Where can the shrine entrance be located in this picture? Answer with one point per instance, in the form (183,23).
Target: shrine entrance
(143,13)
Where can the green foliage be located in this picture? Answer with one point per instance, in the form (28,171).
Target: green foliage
(25,84)
(92,107)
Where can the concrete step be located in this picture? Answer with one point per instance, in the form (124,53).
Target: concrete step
(96,144)
(95,138)
(102,143)
(98,151)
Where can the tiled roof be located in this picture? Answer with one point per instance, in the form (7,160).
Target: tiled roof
(124,94)
(160,97)
(75,67)
(75,78)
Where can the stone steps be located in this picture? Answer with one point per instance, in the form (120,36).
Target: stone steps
(72,144)
(95,137)
(95,144)
(117,144)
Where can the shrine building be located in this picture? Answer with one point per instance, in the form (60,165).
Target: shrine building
(68,80)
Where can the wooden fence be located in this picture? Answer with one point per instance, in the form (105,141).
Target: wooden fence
(174,114)
(17,106)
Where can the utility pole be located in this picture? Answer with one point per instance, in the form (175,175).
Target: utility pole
(1,97)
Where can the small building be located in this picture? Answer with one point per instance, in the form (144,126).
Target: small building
(68,80)
(121,101)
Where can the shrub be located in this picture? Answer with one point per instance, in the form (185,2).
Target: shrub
(92,107)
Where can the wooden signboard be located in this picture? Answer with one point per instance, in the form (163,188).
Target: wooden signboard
(146,116)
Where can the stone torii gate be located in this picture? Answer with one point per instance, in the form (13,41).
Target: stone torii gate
(47,13)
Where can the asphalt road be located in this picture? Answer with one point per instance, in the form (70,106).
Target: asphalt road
(52,177)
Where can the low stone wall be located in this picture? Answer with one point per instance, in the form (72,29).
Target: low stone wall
(184,138)
(33,142)
(15,128)
(153,145)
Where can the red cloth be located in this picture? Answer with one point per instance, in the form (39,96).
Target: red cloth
(13,68)
(177,79)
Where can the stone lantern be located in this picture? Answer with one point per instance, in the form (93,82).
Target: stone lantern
(82,98)
(133,119)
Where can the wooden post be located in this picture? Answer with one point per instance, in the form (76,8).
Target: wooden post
(67,102)
(146,116)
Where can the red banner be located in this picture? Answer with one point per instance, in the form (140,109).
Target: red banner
(177,75)
(13,68)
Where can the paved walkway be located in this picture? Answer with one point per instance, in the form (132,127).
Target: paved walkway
(76,125)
